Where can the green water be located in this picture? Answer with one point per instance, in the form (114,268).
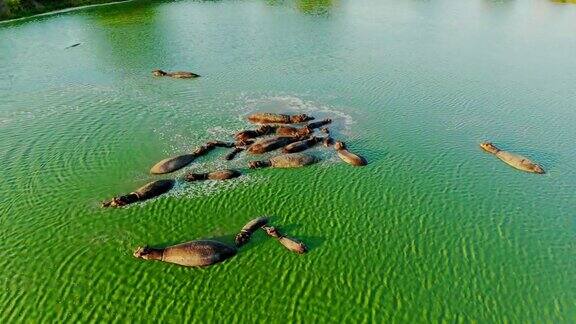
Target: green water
(432,230)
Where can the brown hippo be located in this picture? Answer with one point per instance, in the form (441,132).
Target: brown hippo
(150,190)
(301,145)
(517,161)
(176,75)
(199,253)
(178,162)
(216,175)
(246,232)
(260,131)
(348,156)
(293,131)
(289,243)
(319,124)
(269,118)
(284,161)
(232,155)
(270,144)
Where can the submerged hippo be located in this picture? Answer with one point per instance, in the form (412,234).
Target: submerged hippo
(176,75)
(260,131)
(517,161)
(232,155)
(178,162)
(150,190)
(302,145)
(284,161)
(172,164)
(199,253)
(269,118)
(293,131)
(246,232)
(270,144)
(216,175)
(289,243)
(348,156)
(319,124)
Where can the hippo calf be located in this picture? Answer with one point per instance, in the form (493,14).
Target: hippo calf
(198,253)
(289,243)
(148,191)
(517,161)
(176,75)
(269,118)
(284,161)
(246,232)
(348,156)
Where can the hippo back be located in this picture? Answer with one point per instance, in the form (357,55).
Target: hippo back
(154,188)
(172,164)
(198,253)
(292,160)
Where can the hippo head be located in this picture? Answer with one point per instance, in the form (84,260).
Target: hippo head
(302,118)
(489,147)
(194,177)
(339,146)
(147,253)
(115,202)
(325,130)
(158,73)
(272,231)
(258,164)
(538,169)
(242,238)
(327,141)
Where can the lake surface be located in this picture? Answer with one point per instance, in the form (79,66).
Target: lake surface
(433,229)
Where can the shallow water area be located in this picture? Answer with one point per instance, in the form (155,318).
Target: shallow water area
(433,229)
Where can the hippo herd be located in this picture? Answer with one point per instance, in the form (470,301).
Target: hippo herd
(276,131)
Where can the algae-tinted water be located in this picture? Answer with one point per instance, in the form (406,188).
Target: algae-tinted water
(433,229)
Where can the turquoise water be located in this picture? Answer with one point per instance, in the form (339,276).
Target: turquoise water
(432,230)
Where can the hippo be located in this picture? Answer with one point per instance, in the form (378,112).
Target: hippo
(295,160)
(301,145)
(270,144)
(289,243)
(319,124)
(348,156)
(176,75)
(172,164)
(178,162)
(232,155)
(216,175)
(269,118)
(293,131)
(198,253)
(246,232)
(517,161)
(150,190)
(260,131)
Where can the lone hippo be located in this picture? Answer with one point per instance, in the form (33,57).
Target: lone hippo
(253,133)
(293,131)
(199,253)
(348,156)
(176,75)
(270,144)
(289,243)
(150,190)
(246,232)
(301,145)
(216,175)
(284,161)
(517,161)
(269,118)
